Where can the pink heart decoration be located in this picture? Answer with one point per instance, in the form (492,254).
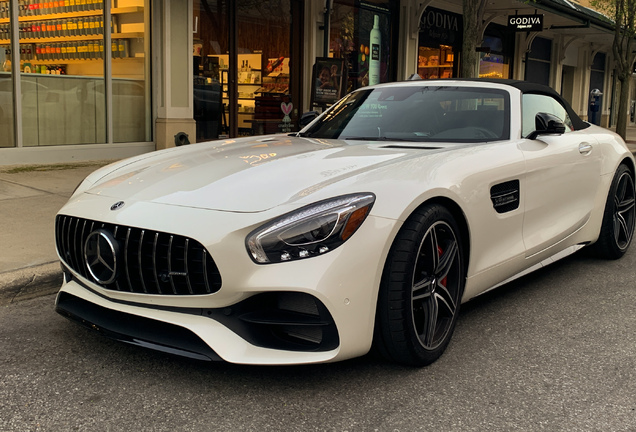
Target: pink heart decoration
(286,107)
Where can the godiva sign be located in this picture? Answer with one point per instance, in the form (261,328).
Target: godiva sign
(525,22)
(439,26)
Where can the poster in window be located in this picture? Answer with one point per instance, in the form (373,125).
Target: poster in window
(328,77)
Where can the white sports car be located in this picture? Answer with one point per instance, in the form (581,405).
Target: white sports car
(366,229)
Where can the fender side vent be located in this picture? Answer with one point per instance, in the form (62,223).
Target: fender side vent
(505,196)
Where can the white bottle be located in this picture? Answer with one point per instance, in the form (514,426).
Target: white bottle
(374,53)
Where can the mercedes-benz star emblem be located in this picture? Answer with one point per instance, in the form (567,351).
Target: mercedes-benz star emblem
(101,251)
(117,205)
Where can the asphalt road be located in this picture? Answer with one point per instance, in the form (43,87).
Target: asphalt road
(554,351)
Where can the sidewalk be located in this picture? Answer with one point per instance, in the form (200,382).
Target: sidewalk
(30,196)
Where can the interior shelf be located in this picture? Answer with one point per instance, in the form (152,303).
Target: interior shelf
(79,14)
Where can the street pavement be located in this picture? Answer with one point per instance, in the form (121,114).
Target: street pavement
(550,352)
(30,197)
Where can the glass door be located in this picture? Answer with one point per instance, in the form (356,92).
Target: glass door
(241,59)
(211,30)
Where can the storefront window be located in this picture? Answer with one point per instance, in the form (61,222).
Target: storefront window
(6,80)
(131,71)
(597,83)
(257,93)
(493,66)
(361,32)
(264,31)
(495,55)
(440,41)
(211,65)
(62,56)
(436,62)
(539,61)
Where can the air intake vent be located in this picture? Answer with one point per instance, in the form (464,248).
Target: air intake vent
(135,260)
(505,196)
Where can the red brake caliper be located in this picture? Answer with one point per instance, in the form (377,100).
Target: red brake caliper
(439,253)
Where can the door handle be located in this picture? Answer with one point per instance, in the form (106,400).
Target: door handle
(585,148)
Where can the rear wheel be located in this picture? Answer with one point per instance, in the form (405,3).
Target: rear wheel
(421,289)
(617,228)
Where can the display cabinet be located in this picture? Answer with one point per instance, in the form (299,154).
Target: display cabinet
(262,86)
(249,80)
(268,116)
(71,32)
(434,63)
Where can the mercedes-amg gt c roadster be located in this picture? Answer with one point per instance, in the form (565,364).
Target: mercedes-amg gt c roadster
(366,229)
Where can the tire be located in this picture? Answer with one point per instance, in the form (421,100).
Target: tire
(421,289)
(617,228)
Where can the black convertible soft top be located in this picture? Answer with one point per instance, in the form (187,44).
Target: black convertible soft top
(534,88)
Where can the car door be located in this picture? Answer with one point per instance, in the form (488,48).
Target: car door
(562,177)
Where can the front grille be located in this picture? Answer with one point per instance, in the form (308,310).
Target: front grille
(148,262)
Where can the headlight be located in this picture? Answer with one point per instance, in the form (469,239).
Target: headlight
(311,230)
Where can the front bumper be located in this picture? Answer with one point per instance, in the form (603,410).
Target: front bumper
(134,329)
(249,320)
(277,320)
(190,333)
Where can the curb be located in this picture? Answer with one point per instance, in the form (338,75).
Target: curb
(29,283)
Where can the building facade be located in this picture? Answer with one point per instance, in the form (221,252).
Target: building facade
(174,72)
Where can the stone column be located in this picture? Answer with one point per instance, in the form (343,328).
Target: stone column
(173,74)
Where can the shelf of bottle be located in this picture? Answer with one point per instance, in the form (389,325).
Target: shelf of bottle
(225,70)
(260,94)
(96,12)
(225,98)
(74,61)
(131,35)
(244,84)
(438,66)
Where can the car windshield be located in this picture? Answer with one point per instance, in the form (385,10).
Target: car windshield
(408,113)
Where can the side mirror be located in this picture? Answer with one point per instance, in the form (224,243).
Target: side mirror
(307,118)
(546,124)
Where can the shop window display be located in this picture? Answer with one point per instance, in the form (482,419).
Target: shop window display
(62,80)
(257,94)
(493,61)
(361,33)
(437,62)
(493,66)
(440,39)
(7,138)
(538,62)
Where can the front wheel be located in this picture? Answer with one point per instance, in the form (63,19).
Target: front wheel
(617,228)
(421,288)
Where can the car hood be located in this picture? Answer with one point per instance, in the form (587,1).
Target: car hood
(245,175)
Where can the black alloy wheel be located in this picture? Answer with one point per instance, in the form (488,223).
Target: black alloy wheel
(421,290)
(617,229)
(624,211)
